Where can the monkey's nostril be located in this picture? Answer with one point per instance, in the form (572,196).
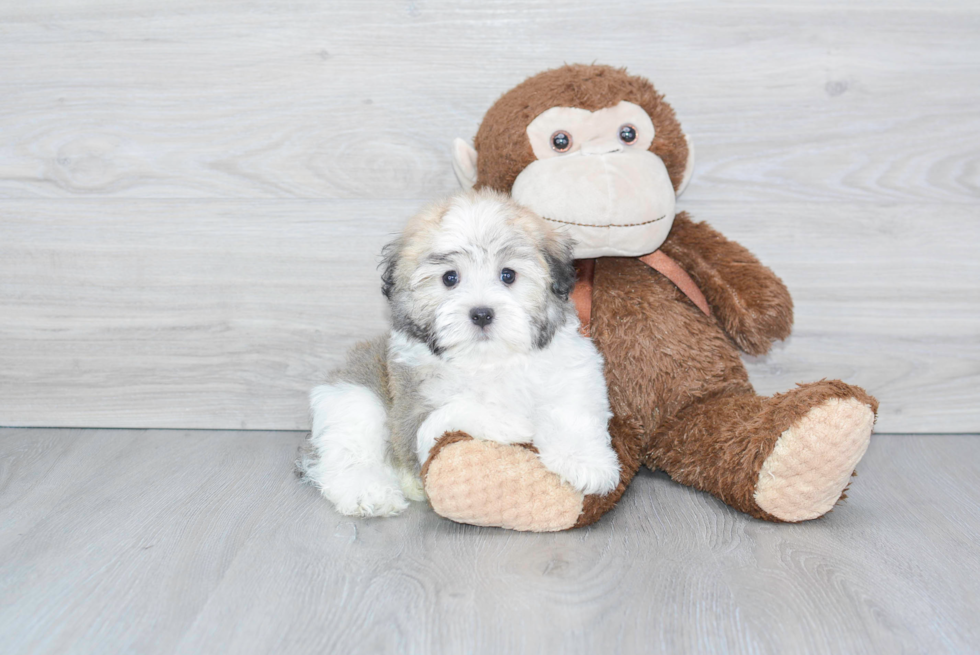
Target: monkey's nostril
(481,316)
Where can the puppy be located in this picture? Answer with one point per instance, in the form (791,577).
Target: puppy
(483,340)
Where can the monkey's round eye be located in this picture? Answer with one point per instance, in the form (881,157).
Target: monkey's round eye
(507,276)
(561,141)
(627,134)
(450,278)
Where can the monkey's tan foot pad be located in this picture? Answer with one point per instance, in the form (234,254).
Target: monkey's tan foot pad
(491,484)
(813,460)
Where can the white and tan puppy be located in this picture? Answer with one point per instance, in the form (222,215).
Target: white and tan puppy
(484,340)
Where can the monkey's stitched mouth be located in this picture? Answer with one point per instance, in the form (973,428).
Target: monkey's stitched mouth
(654,220)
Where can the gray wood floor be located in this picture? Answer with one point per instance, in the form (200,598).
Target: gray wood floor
(204,542)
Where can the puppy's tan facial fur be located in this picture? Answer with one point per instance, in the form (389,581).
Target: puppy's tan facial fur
(476,236)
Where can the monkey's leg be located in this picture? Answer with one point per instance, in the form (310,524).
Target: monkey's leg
(784,458)
(486,483)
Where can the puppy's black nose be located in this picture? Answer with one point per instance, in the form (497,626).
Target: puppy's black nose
(482,316)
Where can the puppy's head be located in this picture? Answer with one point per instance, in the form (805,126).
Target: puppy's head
(479,274)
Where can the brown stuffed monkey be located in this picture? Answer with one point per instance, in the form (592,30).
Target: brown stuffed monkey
(600,151)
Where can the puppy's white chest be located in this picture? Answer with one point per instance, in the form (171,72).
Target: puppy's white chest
(501,387)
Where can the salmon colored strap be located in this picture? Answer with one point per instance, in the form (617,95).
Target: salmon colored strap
(658,261)
(582,293)
(671,270)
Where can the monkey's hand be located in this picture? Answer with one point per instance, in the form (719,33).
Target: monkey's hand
(749,300)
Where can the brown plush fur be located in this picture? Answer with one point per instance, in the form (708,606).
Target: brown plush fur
(751,303)
(735,431)
(502,144)
(627,434)
(679,391)
(679,374)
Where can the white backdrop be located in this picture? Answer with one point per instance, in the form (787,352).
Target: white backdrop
(193,195)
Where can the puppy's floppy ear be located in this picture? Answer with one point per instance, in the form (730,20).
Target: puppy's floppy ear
(389,262)
(558,249)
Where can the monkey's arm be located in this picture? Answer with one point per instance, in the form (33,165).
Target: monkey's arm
(750,302)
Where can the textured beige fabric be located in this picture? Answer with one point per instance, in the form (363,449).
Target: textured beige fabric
(812,462)
(504,487)
(596,198)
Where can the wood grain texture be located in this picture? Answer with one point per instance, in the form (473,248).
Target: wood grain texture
(863,101)
(192,196)
(190,542)
(226,313)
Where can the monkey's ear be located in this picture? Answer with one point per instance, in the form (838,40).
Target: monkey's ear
(688,167)
(464,163)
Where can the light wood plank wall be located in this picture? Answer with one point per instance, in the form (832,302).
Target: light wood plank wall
(193,195)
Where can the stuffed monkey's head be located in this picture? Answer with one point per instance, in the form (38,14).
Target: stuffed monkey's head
(590,147)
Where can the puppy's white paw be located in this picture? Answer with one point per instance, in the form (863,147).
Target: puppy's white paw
(411,485)
(476,421)
(506,428)
(591,472)
(365,492)
(373,500)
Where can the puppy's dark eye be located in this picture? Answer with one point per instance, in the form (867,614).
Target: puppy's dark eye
(627,134)
(507,276)
(561,141)
(450,278)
